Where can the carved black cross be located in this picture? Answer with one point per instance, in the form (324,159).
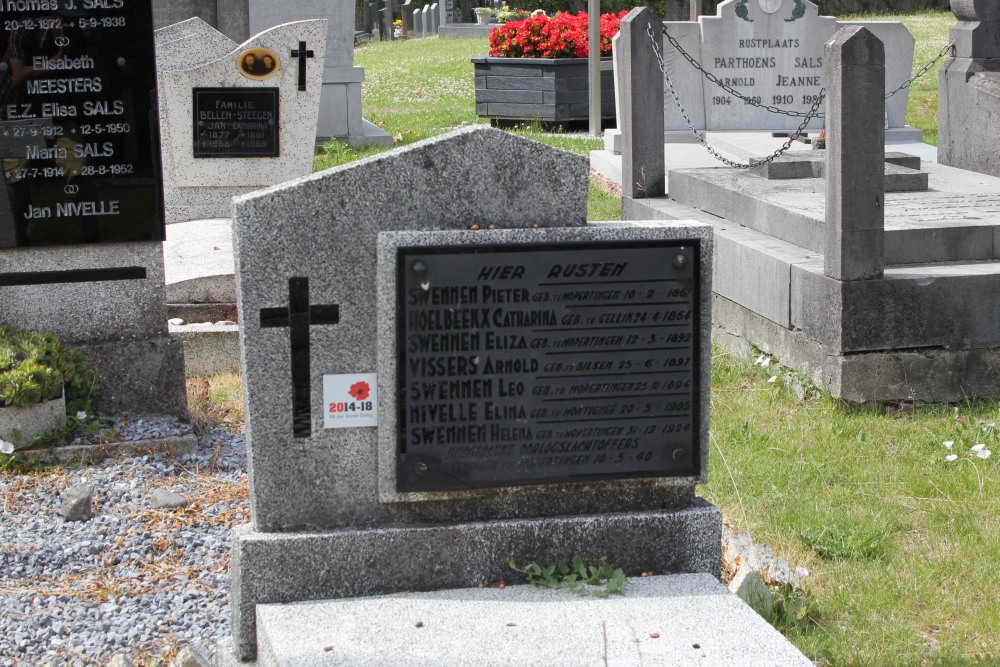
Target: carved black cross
(298,316)
(302,53)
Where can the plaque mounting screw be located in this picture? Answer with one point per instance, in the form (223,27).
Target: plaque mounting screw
(121,61)
(421,469)
(678,454)
(680,261)
(419,268)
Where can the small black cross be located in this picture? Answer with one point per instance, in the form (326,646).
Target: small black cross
(297,317)
(301,53)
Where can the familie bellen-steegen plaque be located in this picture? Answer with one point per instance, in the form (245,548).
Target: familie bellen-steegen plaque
(80,147)
(548,363)
(236,122)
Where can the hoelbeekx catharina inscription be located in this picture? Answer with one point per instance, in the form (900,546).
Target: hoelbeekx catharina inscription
(545,363)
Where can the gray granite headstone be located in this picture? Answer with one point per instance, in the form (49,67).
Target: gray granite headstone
(854,244)
(425,18)
(193,56)
(319,314)
(770,51)
(969,90)
(435,18)
(447,12)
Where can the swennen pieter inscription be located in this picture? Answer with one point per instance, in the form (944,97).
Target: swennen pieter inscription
(79,154)
(547,363)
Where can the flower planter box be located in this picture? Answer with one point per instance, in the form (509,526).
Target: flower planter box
(32,420)
(546,89)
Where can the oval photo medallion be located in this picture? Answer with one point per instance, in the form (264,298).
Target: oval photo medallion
(258,63)
(769,6)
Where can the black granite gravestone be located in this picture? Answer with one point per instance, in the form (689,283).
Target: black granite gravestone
(236,122)
(547,363)
(78,134)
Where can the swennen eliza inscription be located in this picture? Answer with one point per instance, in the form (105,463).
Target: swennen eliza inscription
(546,363)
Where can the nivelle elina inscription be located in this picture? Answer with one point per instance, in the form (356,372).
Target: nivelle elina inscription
(547,363)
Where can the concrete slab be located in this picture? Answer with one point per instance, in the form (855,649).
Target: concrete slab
(209,348)
(950,222)
(683,151)
(198,262)
(663,620)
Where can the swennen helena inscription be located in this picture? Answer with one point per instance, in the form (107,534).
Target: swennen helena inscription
(544,363)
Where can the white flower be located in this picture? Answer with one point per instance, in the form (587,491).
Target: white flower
(951,457)
(766,362)
(984,453)
(81,415)
(948,443)
(801,571)
(772,379)
(6,447)
(759,360)
(978,448)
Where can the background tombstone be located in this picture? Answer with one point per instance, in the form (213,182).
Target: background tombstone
(88,264)
(230,17)
(427,25)
(969,90)
(202,86)
(447,13)
(340,108)
(435,18)
(319,311)
(407,10)
(775,57)
(418,22)
(387,19)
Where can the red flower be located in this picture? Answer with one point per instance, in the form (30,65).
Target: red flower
(561,36)
(359,390)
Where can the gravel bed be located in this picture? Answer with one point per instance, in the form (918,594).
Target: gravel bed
(132,580)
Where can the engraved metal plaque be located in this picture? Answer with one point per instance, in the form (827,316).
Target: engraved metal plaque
(236,122)
(78,133)
(533,364)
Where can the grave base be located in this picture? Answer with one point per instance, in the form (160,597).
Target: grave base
(932,374)
(670,620)
(285,567)
(140,377)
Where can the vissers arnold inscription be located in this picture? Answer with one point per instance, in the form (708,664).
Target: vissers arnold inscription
(80,157)
(547,363)
(236,122)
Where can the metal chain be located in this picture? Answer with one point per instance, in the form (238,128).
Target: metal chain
(812,113)
(775,110)
(949,49)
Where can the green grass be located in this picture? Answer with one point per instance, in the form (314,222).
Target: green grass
(901,544)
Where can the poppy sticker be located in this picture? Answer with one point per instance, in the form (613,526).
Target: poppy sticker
(350,400)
